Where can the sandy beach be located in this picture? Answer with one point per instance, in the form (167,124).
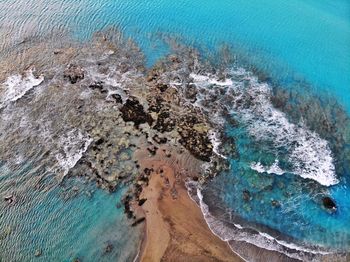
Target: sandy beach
(175,229)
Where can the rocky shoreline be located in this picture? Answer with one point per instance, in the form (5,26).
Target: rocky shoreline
(145,130)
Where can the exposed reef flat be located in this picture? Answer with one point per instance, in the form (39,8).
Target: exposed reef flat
(114,124)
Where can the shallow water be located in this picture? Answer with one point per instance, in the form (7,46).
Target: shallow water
(302,46)
(303,39)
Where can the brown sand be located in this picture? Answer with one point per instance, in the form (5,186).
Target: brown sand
(175,227)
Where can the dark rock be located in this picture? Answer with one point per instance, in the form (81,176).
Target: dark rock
(117,98)
(246,195)
(138,221)
(97,85)
(153,150)
(100,141)
(197,143)
(133,111)
(160,140)
(74,73)
(165,123)
(57,52)
(127,209)
(155,105)
(329,203)
(109,248)
(275,203)
(142,201)
(148,171)
(162,87)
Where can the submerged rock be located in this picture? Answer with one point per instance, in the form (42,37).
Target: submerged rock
(10,199)
(246,195)
(38,253)
(275,203)
(108,248)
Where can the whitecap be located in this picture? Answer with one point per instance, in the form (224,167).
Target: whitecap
(16,86)
(273,169)
(72,147)
(215,141)
(309,154)
(261,239)
(210,80)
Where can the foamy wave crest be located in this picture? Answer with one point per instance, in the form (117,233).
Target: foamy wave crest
(73,145)
(216,143)
(238,233)
(309,154)
(273,169)
(17,86)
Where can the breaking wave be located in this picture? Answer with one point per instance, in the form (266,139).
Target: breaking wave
(273,169)
(247,98)
(17,86)
(73,145)
(230,231)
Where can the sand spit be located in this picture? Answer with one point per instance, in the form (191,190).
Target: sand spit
(175,227)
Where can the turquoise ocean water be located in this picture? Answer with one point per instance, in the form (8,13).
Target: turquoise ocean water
(293,42)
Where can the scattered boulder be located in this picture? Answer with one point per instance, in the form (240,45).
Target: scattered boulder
(329,203)
(142,201)
(74,73)
(138,221)
(152,150)
(162,87)
(117,98)
(160,140)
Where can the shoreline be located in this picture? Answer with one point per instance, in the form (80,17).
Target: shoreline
(175,228)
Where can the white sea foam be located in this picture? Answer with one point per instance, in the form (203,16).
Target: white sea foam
(260,239)
(17,86)
(210,80)
(72,147)
(273,169)
(309,154)
(214,139)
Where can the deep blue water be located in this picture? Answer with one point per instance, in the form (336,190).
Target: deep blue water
(291,41)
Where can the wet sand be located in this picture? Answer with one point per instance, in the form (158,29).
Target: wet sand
(175,227)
